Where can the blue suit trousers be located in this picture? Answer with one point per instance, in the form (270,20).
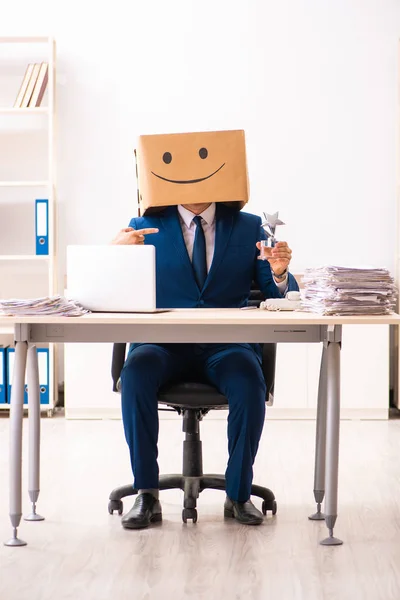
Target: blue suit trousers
(234,369)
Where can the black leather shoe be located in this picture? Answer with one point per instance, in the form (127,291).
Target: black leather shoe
(146,510)
(244,512)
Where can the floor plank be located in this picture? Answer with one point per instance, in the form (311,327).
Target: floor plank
(80,552)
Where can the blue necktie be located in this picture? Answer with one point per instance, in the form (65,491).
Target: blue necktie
(199,259)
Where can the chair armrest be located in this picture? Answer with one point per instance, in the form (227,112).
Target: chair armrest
(118,359)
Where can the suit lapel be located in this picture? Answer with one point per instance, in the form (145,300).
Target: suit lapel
(172,226)
(224,219)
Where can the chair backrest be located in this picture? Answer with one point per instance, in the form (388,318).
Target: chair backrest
(256,295)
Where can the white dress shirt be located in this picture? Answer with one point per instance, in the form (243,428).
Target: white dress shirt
(189,230)
(208,223)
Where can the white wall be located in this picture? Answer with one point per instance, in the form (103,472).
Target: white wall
(312,82)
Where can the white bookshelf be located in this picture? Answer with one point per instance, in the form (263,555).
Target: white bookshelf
(6,331)
(24,111)
(15,54)
(22,257)
(45,183)
(28,39)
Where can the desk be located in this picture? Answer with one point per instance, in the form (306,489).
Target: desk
(191,325)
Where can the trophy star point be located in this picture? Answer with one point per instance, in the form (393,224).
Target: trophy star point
(271,221)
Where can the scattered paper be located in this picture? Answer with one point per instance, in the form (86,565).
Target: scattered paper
(55,305)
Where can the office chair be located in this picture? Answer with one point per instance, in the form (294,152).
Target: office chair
(193,399)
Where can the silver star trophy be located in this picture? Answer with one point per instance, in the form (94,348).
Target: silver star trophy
(269,226)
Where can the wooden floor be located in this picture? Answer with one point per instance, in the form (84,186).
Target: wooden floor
(80,552)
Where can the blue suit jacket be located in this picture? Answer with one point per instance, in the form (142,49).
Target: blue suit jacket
(233,268)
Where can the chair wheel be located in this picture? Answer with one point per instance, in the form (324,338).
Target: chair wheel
(115,505)
(189,513)
(272,506)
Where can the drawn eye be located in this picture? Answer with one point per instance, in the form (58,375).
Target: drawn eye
(167,157)
(203,152)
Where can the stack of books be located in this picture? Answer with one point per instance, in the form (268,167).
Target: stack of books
(33,86)
(333,290)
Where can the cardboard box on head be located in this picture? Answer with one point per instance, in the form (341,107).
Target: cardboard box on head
(192,168)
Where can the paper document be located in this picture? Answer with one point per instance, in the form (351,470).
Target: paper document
(55,305)
(333,290)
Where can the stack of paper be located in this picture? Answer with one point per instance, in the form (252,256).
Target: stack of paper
(348,291)
(55,305)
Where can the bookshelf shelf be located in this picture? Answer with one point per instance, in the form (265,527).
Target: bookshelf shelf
(7,330)
(23,257)
(19,271)
(24,183)
(29,39)
(42,110)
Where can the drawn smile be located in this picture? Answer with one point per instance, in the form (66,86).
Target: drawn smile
(188,180)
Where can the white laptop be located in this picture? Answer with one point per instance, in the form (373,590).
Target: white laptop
(112,278)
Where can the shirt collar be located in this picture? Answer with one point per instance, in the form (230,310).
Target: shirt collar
(207,215)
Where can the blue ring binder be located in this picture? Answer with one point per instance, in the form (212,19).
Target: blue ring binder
(42,226)
(44,373)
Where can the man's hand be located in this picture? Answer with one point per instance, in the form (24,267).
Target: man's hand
(281,255)
(130,236)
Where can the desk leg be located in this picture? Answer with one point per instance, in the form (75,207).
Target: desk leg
(332,435)
(16,418)
(320,442)
(34,432)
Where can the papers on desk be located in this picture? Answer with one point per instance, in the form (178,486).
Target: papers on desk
(55,305)
(333,290)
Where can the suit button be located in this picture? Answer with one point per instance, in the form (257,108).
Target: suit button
(201,302)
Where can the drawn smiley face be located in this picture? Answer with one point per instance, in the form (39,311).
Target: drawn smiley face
(185,168)
(203,155)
